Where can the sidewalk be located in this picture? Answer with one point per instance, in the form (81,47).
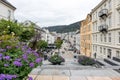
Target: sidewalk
(44,77)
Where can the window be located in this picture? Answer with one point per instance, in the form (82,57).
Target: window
(96,26)
(105,6)
(119,17)
(109,4)
(100,49)
(105,38)
(9,14)
(110,21)
(93,38)
(96,37)
(118,54)
(119,36)
(109,35)
(88,27)
(101,38)
(93,48)
(104,51)
(96,48)
(96,15)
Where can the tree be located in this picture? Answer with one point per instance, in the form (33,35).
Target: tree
(9,27)
(11,32)
(58,44)
(26,35)
(42,44)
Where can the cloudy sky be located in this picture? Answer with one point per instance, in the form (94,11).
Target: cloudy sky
(53,12)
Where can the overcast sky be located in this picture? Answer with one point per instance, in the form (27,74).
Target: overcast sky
(53,12)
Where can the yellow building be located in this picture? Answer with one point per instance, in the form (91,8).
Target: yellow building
(86,34)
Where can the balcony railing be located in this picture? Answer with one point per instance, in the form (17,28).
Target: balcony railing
(103,13)
(103,28)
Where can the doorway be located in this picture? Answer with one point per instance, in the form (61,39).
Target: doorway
(109,55)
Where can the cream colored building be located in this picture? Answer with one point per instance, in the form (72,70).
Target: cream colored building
(106,29)
(6,10)
(85,35)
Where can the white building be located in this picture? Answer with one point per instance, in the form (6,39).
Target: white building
(48,36)
(77,40)
(6,10)
(106,29)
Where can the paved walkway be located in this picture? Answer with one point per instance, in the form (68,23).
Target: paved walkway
(71,70)
(44,77)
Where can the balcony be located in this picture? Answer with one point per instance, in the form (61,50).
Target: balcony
(103,28)
(103,13)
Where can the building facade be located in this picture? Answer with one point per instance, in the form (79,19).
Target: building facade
(6,10)
(85,35)
(48,36)
(106,29)
(77,41)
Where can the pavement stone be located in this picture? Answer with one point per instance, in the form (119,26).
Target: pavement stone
(41,77)
(55,72)
(61,78)
(99,73)
(35,71)
(115,78)
(99,78)
(78,78)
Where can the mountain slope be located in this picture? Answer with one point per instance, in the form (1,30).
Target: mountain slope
(65,28)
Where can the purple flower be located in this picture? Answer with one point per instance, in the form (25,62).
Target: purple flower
(6,57)
(7,77)
(30,78)
(8,47)
(18,59)
(17,63)
(36,54)
(1,54)
(28,51)
(3,50)
(24,56)
(17,46)
(6,65)
(31,65)
(38,60)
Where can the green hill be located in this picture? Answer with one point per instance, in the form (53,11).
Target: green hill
(65,28)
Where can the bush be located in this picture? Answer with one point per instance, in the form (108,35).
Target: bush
(56,59)
(17,62)
(86,60)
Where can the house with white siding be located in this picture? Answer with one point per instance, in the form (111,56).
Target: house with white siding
(6,10)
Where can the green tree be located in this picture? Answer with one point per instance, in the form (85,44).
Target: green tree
(9,27)
(11,32)
(42,44)
(27,34)
(58,44)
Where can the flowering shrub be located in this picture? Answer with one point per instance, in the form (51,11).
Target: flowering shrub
(56,59)
(86,60)
(17,62)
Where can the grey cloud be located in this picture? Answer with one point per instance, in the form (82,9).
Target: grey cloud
(53,12)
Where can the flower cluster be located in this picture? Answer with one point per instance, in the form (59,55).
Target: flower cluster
(86,60)
(56,59)
(16,62)
(7,77)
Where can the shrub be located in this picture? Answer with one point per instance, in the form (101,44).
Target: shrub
(86,60)
(56,59)
(17,62)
